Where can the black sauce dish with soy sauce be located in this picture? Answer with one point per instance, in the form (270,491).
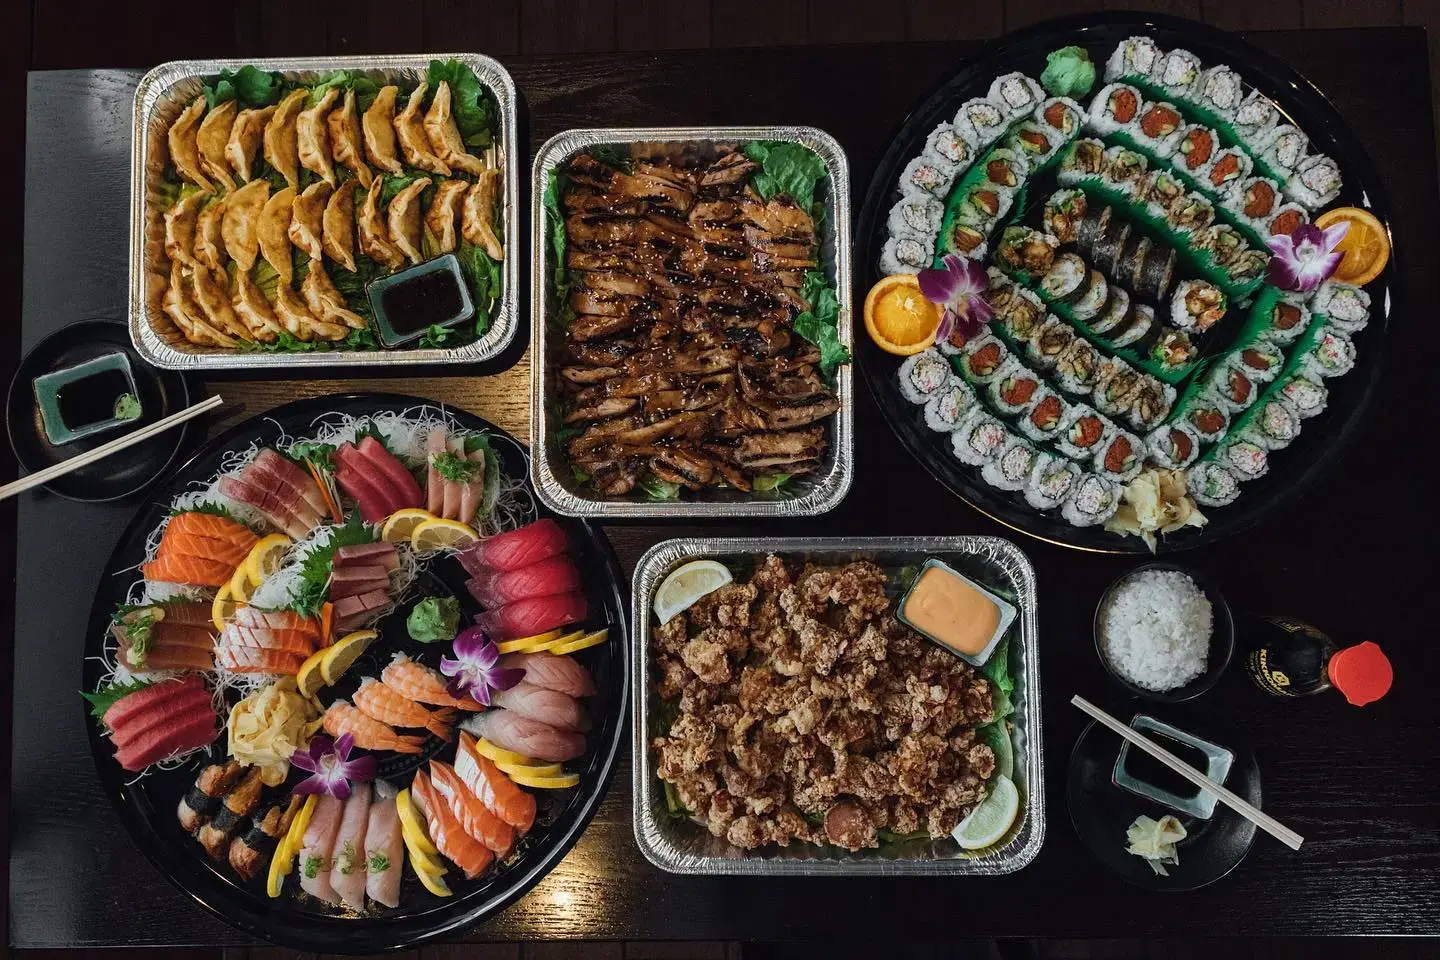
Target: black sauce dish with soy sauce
(429,296)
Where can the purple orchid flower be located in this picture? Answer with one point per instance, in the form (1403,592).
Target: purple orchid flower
(1306,258)
(330,766)
(474,671)
(960,288)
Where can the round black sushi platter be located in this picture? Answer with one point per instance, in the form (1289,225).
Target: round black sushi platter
(148,805)
(1323,437)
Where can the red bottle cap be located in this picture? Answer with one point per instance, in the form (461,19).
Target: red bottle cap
(1361,672)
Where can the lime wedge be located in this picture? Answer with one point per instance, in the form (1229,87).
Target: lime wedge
(686,585)
(991,820)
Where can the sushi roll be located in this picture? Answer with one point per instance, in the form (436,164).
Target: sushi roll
(1042,421)
(1315,182)
(1222,241)
(1246,459)
(1092,299)
(1172,349)
(1346,307)
(1064,212)
(1274,425)
(949,405)
(1197,305)
(1287,151)
(1115,385)
(1285,220)
(979,438)
(1142,319)
(1151,403)
(980,122)
(1119,458)
(1065,280)
(1220,91)
(1160,191)
(1231,385)
(1082,160)
(1261,359)
(1023,249)
(1195,148)
(1159,128)
(1288,319)
(1179,73)
(1256,199)
(1249,264)
(1212,484)
(1173,446)
(1306,395)
(1093,500)
(927,174)
(1010,468)
(1114,108)
(1125,169)
(1207,416)
(918,215)
(1050,482)
(1333,355)
(968,239)
(1013,389)
(1016,94)
(1006,168)
(1093,224)
(945,144)
(982,358)
(1060,114)
(1077,368)
(1191,214)
(1134,57)
(1257,121)
(1052,339)
(1229,167)
(906,254)
(1116,312)
(1038,143)
(1082,432)
(989,202)
(923,375)
(1156,272)
(1022,316)
(1105,252)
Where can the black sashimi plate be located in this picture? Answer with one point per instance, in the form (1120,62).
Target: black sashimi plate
(1324,437)
(148,806)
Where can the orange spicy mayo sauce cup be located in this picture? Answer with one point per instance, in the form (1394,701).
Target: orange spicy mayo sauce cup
(955,612)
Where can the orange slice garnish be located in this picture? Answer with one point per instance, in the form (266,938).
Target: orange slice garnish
(1366,245)
(898,317)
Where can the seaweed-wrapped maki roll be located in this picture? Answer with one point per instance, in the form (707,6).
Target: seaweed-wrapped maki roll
(923,375)
(1026,250)
(1288,319)
(906,254)
(1261,359)
(1227,170)
(1156,272)
(927,174)
(1120,458)
(982,358)
(1094,500)
(1006,168)
(1257,121)
(1022,316)
(980,122)
(1082,432)
(1315,182)
(1092,299)
(1222,241)
(1287,151)
(1042,421)
(1285,220)
(1220,91)
(1116,312)
(1077,368)
(1082,160)
(1036,142)
(979,438)
(1116,383)
(1257,199)
(1179,73)
(1151,403)
(1106,249)
(1197,305)
(1010,468)
(1274,425)
(1212,484)
(1173,446)
(1133,57)
(1052,339)
(946,144)
(1064,212)
(1333,355)
(1249,264)
(1347,307)
(1142,319)
(1305,394)
(1207,416)
(1231,385)
(1015,93)
(1114,108)
(1191,214)
(916,215)
(1066,278)
(949,406)
(1013,389)
(1125,169)
(1195,148)
(1060,114)
(1051,480)
(1094,222)
(1158,128)
(1245,458)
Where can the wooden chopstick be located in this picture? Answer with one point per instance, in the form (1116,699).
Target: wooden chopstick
(1255,815)
(42,477)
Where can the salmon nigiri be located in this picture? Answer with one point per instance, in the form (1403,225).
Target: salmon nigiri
(474,817)
(316,848)
(384,853)
(417,682)
(488,782)
(347,873)
(457,846)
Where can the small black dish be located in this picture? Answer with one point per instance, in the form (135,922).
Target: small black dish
(1222,638)
(1102,812)
(122,474)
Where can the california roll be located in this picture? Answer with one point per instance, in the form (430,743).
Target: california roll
(980,122)
(978,439)
(1010,468)
(1346,307)
(923,375)
(949,406)
(906,254)
(1015,93)
(1212,484)
(1094,500)
(1051,481)
(1273,425)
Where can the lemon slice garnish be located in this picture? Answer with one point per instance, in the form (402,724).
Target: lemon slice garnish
(344,652)
(441,534)
(402,523)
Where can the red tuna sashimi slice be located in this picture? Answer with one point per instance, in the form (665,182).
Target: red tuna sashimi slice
(529,544)
(525,618)
(126,707)
(243,491)
(510,731)
(358,571)
(496,587)
(189,613)
(381,553)
(296,478)
(189,734)
(340,589)
(373,498)
(163,715)
(434,483)
(559,710)
(264,472)
(399,478)
(552,672)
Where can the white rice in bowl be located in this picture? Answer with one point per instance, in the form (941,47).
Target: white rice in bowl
(1155,630)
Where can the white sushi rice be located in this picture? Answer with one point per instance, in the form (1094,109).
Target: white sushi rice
(1156,629)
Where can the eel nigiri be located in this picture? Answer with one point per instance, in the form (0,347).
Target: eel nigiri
(384,853)
(559,710)
(552,672)
(525,618)
(496,587)
(347,875)
(316,848)
(238,804)
(518,548)
(203,798)
(489,783)
(510,731)
(249,851)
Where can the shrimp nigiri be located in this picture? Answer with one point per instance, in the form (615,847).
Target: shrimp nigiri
(384,703)
(488,782)
(343,718)
(417,682)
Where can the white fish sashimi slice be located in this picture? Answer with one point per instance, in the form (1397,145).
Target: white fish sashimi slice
(316,848)
(451,508)
(471,494)
(347,873)
(384,853)
(434,483)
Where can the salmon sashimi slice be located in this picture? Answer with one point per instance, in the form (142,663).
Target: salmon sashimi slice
(125,709)
(369,733)
(474,817)
(552,672)
(457,846)
(494,789)
(169,739)
(196,571)
(190,545)
(288,641)
(385,704)
(176,708)
(277,620)
(242,659)
(201,524)
(417,682)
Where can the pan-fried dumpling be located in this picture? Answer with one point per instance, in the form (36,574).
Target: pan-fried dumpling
(338,235)
(245,135)
(273,232)
(325,301)
(477,221)
(444,211)
(379,126)
(214,134)
(444,136)
(254,310)
(300,322)
(282,149)
(314,140)
(209,244)
(403,219)
(215,301)
(345,138)
(410,130)
(180,306)
(184,151)
(180,222)
(240,221)
(305,218)
(374,242)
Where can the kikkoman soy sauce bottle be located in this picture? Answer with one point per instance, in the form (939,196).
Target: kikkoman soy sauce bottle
(1288,658)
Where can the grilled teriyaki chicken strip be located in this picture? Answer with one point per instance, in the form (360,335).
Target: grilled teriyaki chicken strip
(681,362)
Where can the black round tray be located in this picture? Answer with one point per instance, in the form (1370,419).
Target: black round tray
(1293,469)
(148,806)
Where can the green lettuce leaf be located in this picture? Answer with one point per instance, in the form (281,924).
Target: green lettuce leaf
(365,88)
(485,280)
(250,85)
(820,324)
(660,490)
(470,103)
(106,697)
(785,168)
(771,483)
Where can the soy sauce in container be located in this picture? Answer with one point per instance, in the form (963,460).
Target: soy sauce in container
(1290,658)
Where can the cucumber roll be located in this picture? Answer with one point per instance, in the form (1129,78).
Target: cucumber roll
(1287,151)
(1094,500)
(1195,148)
(1151,403)
(1006,168)
(923,375)
(1222,241)
(1249,264)
(1077,368)
(1042,422)
(1060,114)
(978,439)
(1179,73)
(1116,383)
(1082,432)
(1346,307)
(980,122)
(1116,312)
(1160,191)
(1285,220)
(1246,459)
(1064,212)
(1173,446)
(1105,252)
(1227,170)
(1050,482)
(1134,57)
(1010,468)
(945,144)
(949,406)
(1125,169)
(1207,416)
(1013,390)
(1197,305)
(1305,395)
(1082,160)
(906,254)
(1036,142)
(1066,277)
(1119,458)
(1212,484)
(1114,108)
(1052,339)
(1261,359)
(1092,299)
(1257,199)
(1333,355)
(981,359)
(1015,93)
(927,174)
(1230,384)
(1257,121)
(1171,350)
(1220,91)
(1026,250)
(1315,182)
(917,215)
(1158,128)
(1288,319)
(1274,425)
(1191,214)
(1022,316)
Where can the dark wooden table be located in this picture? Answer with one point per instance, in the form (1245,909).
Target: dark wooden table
(1360,785)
